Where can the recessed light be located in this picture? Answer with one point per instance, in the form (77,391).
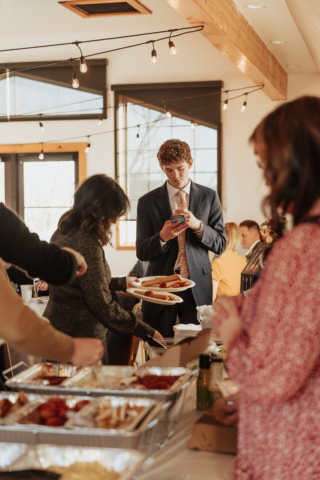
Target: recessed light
(256,5)
(293,66)
(279,42)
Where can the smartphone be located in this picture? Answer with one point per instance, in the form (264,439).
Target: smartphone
(178,218)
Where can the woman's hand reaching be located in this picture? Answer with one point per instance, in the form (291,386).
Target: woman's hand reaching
(227,318)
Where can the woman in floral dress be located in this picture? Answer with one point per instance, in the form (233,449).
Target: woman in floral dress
(273,336)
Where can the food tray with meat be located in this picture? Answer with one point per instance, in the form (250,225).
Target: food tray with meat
(80,463)
(43,378)
(94,381)
(10,402)
(80,430)
(114,413)
(171,283)
(161,298)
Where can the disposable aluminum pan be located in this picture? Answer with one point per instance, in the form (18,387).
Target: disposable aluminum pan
(27,380)
(94,381)
(83,436)
(22,457)
(13,398)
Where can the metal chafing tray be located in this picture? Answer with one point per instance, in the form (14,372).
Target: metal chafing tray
(73,434)
(108,376)
(20,457)
(26,379)
(13,397)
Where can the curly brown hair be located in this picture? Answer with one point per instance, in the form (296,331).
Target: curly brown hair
(174,151)
(97,202)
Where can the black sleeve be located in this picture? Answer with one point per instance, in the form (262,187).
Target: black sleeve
(147,242)
(25,250)
(214,234)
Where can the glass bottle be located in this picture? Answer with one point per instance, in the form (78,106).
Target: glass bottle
(203,396)
(216,374)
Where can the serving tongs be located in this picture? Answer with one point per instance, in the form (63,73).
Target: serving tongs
(97,372)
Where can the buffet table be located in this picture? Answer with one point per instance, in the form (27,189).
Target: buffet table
(177,462)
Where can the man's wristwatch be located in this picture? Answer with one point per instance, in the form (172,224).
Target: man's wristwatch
(200,229)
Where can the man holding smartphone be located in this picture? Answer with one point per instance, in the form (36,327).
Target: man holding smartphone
(177,224)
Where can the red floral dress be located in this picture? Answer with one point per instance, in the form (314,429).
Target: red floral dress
(276,363)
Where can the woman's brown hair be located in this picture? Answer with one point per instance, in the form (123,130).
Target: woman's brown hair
(291,138)
(98,202)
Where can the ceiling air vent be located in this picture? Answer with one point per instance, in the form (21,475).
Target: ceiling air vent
(105,8)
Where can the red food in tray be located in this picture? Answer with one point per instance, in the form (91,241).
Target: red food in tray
(6,406)
(157,382)
(53,413)
(53,380)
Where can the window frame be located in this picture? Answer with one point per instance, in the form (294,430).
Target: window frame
(119,94)
(55,80)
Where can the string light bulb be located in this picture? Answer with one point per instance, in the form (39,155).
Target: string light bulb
(138,136)
(83,65)
(244,106)
(88,146)
(154,58)
(166,111)
(41,154)
(75,81)
(40,123)
(193,125)
(225,105)
(99,121)
(172,47)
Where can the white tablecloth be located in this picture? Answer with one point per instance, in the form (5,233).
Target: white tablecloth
(177,462)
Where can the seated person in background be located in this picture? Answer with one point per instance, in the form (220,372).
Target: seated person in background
(250,236)
(85,307)
(227,268)
(139,269)
(30,334)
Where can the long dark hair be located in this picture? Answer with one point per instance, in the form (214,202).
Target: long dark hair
(291,135)
(98,201)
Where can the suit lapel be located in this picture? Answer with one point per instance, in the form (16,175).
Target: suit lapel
(195,200)
(163,202)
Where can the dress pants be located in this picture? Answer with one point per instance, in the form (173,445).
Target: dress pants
(165,321)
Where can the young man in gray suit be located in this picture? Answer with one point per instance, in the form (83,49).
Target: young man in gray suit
(179,248)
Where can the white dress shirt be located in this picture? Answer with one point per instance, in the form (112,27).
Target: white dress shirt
(174,200)
(251,248)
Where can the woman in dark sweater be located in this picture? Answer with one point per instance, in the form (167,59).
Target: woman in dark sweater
(85,307)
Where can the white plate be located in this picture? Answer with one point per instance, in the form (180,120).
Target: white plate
(157,289)
(154,300)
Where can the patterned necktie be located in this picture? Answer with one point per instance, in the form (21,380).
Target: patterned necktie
(184,271)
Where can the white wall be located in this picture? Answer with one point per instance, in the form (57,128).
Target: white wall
(197,60)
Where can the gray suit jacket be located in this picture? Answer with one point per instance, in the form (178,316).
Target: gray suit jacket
(153,210)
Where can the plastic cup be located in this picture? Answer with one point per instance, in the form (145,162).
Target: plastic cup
(26,292)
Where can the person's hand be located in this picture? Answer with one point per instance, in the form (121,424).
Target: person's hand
(87,351)
(227,318)
(191,220)
(171,230)
(80,261)
(4,264)
(43,286)
(131,280)
(159,337)
(232,407)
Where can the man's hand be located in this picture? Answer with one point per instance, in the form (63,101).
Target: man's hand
(80,261)
(171,230)
(191,220)
(87,351)
(131,280)
(42,286)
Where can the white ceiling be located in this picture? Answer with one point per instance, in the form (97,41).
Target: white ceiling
(276,23)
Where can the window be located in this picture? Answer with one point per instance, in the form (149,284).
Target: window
(47,92)
(137,166)
(40,191)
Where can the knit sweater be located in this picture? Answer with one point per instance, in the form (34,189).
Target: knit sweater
(85,307)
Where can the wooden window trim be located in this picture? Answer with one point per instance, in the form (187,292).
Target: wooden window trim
(53,148)
(126,246)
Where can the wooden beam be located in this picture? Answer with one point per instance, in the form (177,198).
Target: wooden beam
(53,148)
(228,30)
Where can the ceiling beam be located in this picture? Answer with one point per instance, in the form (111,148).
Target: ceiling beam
(228,30)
